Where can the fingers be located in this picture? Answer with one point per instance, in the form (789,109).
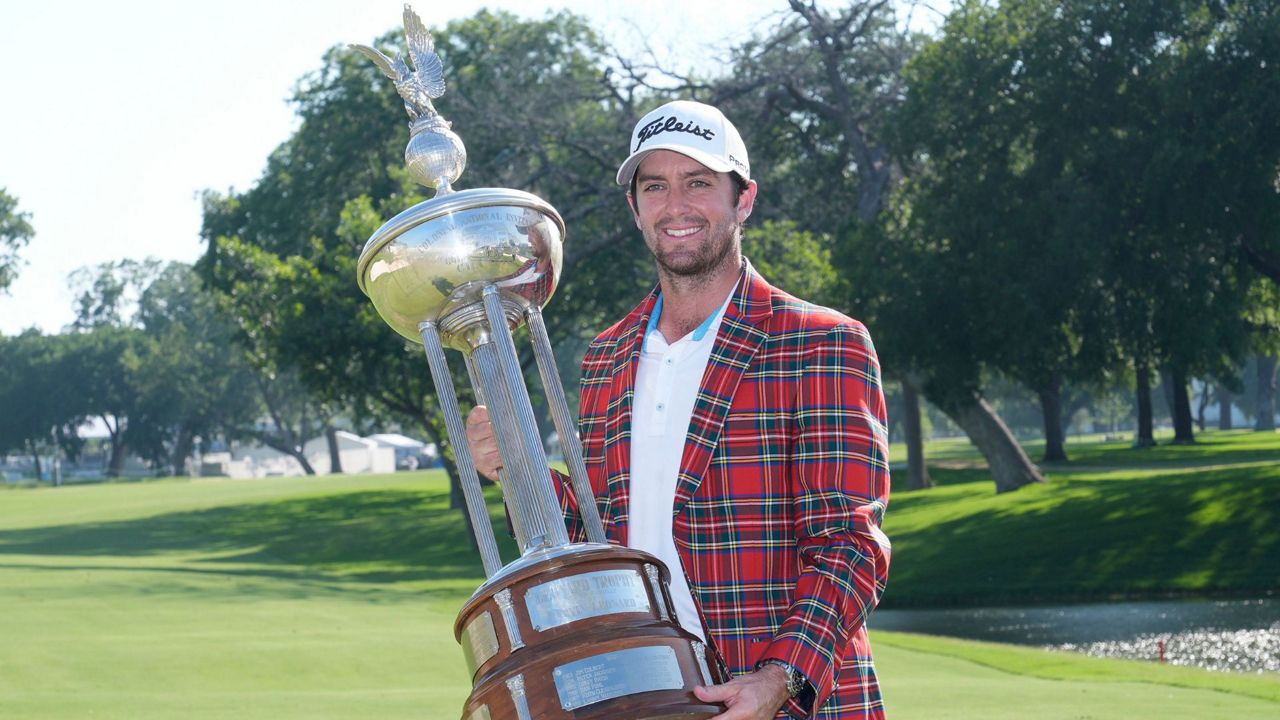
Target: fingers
(483,443)
(714,693)
(748,697)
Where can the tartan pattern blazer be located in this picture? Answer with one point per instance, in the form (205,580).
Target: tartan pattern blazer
(782,487)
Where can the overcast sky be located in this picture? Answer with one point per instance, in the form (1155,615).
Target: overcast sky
(114,116)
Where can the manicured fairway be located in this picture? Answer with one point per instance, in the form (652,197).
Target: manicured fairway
(927,684)
(306,598)
(1114,522)
(335,598)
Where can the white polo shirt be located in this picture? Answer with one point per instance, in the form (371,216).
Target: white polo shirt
(667,382)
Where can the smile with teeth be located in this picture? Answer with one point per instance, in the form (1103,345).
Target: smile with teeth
(683,232)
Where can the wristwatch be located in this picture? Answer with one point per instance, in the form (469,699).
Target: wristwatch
(796,681)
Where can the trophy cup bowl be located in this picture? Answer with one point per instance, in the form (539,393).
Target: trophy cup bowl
(570,630)
(436,258)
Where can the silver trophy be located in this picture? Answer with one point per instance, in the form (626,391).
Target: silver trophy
(582,630)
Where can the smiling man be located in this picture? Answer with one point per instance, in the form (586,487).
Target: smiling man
(738,434)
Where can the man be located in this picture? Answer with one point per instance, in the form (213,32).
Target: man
(739,434)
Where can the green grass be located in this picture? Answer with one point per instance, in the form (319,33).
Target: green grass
(1195,520)
(233,599)
(335,597)
(930,677)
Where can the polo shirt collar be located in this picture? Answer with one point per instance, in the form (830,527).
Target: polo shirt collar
(699,333)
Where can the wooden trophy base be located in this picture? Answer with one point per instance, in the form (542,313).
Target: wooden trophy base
(582,632)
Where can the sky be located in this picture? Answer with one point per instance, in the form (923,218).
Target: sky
(115,117)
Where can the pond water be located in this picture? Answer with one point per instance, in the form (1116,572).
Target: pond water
(1242,635)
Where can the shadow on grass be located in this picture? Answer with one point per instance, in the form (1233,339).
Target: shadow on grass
(1215,531)
(381,536)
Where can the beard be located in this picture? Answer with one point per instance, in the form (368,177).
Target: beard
(692,261)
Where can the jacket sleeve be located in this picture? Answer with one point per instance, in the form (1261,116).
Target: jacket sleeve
(840,486)
(568,506)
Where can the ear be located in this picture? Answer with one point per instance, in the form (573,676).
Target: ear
(746,202)
(635,212)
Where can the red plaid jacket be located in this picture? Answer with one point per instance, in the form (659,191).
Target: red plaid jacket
(782,486)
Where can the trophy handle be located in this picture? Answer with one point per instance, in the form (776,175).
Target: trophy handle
(476,508)
(566,428)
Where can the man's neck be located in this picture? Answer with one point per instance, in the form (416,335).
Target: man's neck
(686,304)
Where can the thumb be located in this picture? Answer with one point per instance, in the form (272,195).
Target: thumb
(714,693)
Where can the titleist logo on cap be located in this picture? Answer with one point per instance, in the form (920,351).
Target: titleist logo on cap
(670,124)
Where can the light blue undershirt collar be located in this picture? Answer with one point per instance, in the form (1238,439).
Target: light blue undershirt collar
(698,334)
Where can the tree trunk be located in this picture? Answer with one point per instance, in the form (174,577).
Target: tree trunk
(1224,407)
(182,450)
(35,455)
(1202,405)
(917,471)
(1009,464)
(115,463)
(1183,432)
(1079,401)
(301,457)
(335,455)
(1266,393)
(290,449)
(115,467)
(1145,436)
(1051,408)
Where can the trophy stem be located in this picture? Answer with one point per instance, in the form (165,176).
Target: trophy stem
(476,508)
(566,428)
(504,475)
(540,478)
(528,524)
(545,506)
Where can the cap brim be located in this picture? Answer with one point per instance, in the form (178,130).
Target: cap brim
(628,168)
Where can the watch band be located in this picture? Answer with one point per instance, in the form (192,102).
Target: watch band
(796,681)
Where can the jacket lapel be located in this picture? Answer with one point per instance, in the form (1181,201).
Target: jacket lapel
(626,358)
(740,337)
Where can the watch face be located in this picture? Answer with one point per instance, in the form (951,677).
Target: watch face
(794,681)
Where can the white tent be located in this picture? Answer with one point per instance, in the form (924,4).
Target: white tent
(410,453)
(357,455)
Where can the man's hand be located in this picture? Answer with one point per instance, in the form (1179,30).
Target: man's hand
(484,444)
(757,696)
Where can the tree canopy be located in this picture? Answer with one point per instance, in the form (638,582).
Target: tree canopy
(1048,195)
(15,232)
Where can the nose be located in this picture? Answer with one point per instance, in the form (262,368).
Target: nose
(678,199)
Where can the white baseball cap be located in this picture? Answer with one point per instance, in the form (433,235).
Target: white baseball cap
(690,128)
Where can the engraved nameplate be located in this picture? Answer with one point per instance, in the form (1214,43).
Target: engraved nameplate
(576,597)
(615,674)
(479,641)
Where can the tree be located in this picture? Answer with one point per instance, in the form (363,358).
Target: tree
(104,348)
(107,294)
(191,381)
(150,354)
(832,84)
(38,405)
(15,232)
(819,88)
(1055,131)
(282,255)
(102,366)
